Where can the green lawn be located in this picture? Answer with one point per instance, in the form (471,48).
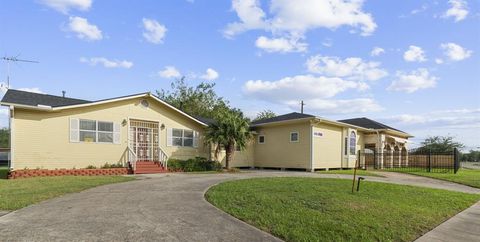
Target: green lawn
(467,177)
(350,172)
(316,209)
(18,193)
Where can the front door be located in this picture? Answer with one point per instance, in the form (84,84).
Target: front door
(144,139)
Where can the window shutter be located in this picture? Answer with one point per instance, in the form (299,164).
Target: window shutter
(116,133)
(74,130)
(195,139)
(169,136)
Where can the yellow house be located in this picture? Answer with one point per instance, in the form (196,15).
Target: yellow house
(52,132)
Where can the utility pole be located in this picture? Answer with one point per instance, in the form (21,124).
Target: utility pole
(302,104)
(13,59)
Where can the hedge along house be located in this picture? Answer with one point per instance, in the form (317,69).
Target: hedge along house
(143,131)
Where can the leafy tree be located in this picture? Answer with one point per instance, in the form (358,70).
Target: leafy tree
(264,115)
(230,129)
(472,156)
(439,144)
(4,138)
(201,100)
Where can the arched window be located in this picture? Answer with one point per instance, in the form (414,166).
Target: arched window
(353,143)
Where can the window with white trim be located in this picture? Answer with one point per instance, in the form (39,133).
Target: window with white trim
(294,137)
(183,137)
(353,143)
(261,139)
(93,131)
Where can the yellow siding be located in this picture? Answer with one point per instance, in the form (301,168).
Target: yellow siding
(244,158)
(41,139)
(328,147)
(278,151)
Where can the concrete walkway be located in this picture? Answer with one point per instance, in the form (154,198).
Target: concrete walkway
(463,227)
(159,207)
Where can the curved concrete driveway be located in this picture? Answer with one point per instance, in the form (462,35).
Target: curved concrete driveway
(168,207)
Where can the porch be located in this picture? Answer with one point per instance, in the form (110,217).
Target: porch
(145,154)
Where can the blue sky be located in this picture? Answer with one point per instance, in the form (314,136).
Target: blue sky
(411,64)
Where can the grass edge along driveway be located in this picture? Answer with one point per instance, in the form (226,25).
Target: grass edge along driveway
(469,177)
(19,193)
(319,209)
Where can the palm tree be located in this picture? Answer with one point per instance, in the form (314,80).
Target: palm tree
(230,129)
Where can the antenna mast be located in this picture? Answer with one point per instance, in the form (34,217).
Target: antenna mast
(9,59)
(302,104)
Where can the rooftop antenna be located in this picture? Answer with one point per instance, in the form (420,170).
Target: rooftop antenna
(9,59)
(302,104)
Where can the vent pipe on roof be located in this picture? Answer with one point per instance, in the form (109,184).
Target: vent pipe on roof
(63,93)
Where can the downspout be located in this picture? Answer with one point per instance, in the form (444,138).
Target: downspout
(11,126)
(312,169)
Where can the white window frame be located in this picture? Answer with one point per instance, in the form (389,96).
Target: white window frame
(106,132)
(183,138)
(96,131)
(298,137)
(354,147)
(263,139)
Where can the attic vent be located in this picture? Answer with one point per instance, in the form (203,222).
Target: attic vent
(145,103)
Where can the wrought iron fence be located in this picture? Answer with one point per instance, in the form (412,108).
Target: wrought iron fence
(411,161)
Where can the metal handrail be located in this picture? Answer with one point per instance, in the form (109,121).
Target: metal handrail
(163,157)
(133,162)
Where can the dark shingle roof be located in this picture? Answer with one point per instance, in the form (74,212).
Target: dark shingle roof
(35,99)
(285,117)
(367,123)
(207,121)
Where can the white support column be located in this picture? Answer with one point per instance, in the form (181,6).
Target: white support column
(391,157)
(399,158)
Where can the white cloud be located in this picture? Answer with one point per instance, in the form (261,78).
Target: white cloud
(107,63)
(210,75)
(455,52)
(310,14)
(251,17)
(440,118)
(154,31)
(31,89)
(289,18)
(413,81)
(317,92)
(419,10)
(342,106)
(439,61)
(458,10)
(84,29)
(377,51)
(282,45)
(64,6)
(169,72)
(301,86)
(352,68)
(414,54)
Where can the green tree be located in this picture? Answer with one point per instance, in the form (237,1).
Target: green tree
(230,129)
(200,100)
(264,115)
(439,144)
(4,138)
(472,156)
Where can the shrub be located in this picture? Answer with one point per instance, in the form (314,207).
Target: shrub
(91,167)
(196,164)
(108,166)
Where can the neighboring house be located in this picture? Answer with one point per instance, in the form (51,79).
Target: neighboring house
(58,132)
